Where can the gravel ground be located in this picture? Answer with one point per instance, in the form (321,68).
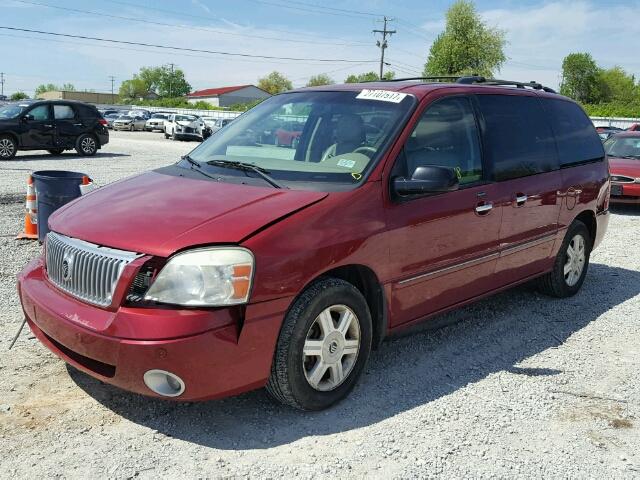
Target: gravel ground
(521,386)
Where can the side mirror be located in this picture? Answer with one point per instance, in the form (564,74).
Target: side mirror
(27,118)
(426,180)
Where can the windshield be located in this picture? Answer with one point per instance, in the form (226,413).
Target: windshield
(159,115)
(124,117)
(327,137)
(623,147)
(11,111)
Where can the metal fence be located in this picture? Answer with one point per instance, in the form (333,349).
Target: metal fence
(623,123)
(213,114)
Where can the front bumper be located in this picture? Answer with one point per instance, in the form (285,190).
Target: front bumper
(188,135)
(216,352)
(630,194)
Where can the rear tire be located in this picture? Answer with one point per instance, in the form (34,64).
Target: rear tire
(8,147)
(173,135)
(56,151)
(323,347)
(86,145)
(571,263)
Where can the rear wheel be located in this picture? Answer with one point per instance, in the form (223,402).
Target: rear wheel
(8,147)
(173,135)
(86,145)
(323,346)
(571,264)
(56,151)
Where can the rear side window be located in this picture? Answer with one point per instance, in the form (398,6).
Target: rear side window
(63,112)
(576,136)
(518,139)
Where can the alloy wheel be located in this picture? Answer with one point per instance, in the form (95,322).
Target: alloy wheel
(576,258)
(331,347)
(88,145)
(7,148)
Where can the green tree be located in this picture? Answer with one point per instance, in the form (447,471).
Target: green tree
(616,85)
(161,81)
(369,77)
(319,80)
(275,83)
(68,87)
(467,45)
(18,96)
(45,87)
(581,78)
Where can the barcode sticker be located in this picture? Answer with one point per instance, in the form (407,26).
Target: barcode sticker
(381,95)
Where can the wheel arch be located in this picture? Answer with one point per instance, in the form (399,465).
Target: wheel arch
(366,281)
(589,219)
(14,137)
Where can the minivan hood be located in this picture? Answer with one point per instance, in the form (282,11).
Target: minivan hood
(158,214)
(625,166)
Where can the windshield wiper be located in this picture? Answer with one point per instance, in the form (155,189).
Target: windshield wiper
(247,167)
(197,167)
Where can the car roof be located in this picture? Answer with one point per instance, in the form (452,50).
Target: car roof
(626,133)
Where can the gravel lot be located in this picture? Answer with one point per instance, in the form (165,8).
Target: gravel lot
(521,386)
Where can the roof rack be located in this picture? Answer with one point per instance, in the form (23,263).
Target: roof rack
(474,79)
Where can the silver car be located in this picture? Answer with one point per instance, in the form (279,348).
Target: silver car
(126,122)
(156,122)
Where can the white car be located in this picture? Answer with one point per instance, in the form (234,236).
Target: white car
(183,127)
(217,124)
(156,122)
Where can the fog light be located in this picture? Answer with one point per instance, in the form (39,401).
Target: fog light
(164,383)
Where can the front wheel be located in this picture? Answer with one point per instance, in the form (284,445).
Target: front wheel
(323,347)
(86,145)
(571,264)
(8,148)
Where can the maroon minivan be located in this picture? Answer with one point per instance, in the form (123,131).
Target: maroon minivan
(249,264)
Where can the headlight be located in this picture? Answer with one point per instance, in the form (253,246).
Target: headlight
(207,277)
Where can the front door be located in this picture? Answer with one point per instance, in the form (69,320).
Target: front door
(520,147)
(37,130)
(443,248)
(68,126)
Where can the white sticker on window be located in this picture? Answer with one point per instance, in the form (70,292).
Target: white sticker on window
(381,95)
(343,162)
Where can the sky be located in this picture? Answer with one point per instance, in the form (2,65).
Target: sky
(335,38)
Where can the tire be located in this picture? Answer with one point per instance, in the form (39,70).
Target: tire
(558,284)
(56,151)
(8,147)
(293,381)
(132,127)
(86,145)
(166,136)
(173,135)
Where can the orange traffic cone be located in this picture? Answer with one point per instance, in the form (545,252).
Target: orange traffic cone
(87,185)
(31,217)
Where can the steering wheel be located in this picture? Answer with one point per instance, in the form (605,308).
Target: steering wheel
(368,151)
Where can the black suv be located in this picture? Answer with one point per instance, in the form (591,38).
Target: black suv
(55,126)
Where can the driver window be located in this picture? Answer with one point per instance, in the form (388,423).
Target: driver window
(40,113)
(446,135)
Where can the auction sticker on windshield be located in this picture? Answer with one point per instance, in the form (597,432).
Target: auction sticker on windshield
(381,95)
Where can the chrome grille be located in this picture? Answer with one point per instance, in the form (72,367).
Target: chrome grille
(85,270)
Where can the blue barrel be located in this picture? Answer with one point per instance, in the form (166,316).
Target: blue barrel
(54,188)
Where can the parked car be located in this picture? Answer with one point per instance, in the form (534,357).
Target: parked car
(54,126)
(138,112)
(156,122)
(106,112)
(110,118)
(127,122)
(288,134)
(183,127)
(216,124)
(255,265)
(606,132)
(634,128)
(623,150)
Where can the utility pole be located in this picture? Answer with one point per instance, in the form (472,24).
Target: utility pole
(113,79)
(2,83)
(382,44)
(171,81)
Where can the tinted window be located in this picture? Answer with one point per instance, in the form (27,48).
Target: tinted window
(40,113)
(519,141)
(575,134)
(446,135)
(63,112)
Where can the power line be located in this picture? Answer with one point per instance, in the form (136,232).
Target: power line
(184,49)
(2,83)
(383,44)
(200,17)
(187,27)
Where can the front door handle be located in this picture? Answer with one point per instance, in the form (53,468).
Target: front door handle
(483,208)
(521,199)
(47,126)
